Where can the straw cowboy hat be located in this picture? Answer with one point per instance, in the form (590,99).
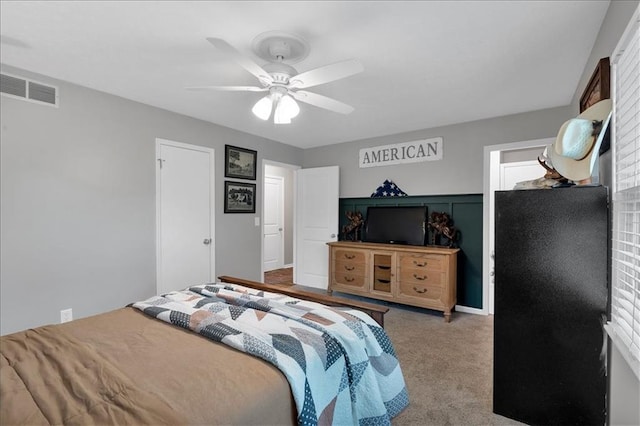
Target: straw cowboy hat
(576,148)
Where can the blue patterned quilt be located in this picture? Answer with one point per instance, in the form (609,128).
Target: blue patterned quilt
(340,364)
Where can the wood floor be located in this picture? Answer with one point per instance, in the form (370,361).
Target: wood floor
(279,276)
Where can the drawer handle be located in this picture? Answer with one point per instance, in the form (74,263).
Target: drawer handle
(349,256)
(383,281)
(415,262)
(421,277)
(383,267)
(424,290)
(348,279)
(349,267)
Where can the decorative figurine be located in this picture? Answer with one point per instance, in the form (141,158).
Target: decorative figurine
(351,231)
(441,225)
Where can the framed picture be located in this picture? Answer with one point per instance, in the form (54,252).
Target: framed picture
(240,163)
(598,88)
(239,197)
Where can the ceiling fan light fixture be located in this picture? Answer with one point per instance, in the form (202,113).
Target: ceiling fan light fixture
(286,109)
(281,80)
(281,118)
(262,108)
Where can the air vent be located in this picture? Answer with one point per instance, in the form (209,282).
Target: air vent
(13,86)
(42,93)
(18,87)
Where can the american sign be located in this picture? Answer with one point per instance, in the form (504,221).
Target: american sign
(401,153)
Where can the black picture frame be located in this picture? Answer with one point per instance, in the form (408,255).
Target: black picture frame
(239,197)
(240,163)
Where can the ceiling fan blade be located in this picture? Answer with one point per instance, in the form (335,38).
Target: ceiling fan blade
(229,88)
(326,74)
(242,60)
(321,101)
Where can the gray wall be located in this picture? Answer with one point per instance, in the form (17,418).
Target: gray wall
(624,391)
(461,169)
(614,24)
(78,202)
(517,155)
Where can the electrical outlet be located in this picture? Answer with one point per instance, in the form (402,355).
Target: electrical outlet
(66,315)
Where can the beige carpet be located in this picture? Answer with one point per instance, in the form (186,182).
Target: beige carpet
(447,367)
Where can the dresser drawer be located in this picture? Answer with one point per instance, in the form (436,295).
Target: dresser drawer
(420,291)
(350,267)
(422,261)
(381,284)
(354,256)
(349,279)
(422,276)
(382,273)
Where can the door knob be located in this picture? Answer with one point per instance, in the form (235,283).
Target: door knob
(333,235)
(206,241)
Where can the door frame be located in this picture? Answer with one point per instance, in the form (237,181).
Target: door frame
(212,204)
(491,178)
(292,167)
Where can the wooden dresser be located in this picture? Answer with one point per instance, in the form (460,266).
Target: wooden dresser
(423,276)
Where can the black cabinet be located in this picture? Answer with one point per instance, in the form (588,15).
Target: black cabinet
(551,293)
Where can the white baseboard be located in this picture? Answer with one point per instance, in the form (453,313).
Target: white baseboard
(468,310)
(288,266)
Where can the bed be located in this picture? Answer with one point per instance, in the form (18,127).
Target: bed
(195,357)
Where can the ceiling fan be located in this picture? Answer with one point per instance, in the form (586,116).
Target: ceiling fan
(281,80)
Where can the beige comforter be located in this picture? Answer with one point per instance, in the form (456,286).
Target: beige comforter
(123,367)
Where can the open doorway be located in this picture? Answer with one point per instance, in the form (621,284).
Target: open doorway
(503,165)
(278,222)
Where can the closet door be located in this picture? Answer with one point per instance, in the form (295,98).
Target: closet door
(551,301)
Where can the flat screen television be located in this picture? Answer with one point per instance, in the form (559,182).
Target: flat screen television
(396,225)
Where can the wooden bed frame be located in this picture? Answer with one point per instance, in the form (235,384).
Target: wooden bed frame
(374,311)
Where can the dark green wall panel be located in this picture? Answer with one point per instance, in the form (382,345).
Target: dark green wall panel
(468,218)
(466,212)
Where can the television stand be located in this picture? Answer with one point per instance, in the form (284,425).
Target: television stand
(423,276)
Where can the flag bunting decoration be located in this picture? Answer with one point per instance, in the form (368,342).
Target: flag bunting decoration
(388,189)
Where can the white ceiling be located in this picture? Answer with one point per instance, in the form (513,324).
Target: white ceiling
(427,63)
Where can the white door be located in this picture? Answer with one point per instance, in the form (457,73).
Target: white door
(185,215)
(520,171)
(316,224)
(273,223)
